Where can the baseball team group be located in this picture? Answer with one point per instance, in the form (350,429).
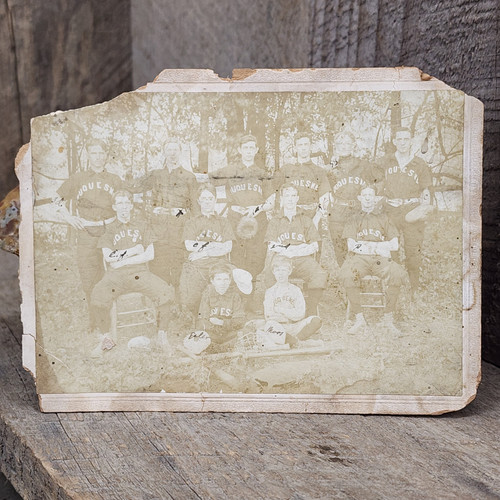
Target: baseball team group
(198,249)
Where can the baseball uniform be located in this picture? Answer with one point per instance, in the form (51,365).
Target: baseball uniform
(407,182)
(91,196)
(311,183)
(172,190)
(227,307)
(300,229)
(347,180)
(366,227)
(246,187)
(118,237)
(195,274)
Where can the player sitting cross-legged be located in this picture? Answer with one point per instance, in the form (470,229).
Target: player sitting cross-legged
(285,308)
(371,237)
(221,312)
(127,248)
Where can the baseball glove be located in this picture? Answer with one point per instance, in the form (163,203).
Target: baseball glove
(247,227)
(419,213)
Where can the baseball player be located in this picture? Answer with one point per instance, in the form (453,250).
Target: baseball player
(127,247)
(85,202)
(408,180)
(310,180)
(347,177)
(285,307)
(169,194)
(208,239)
(221,311)
(249,195)
(371,237)
(293,235)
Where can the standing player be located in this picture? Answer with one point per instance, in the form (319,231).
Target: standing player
(170,192)
(127,248)
(249,194)
(310,180)
(371,237)
(407,185)
(349,175)
(208,238)
(85,202)
(293,235)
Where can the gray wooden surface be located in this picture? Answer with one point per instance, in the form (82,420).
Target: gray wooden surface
(166,455)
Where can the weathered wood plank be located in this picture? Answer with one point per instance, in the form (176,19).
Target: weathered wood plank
(218,34)
(186,455)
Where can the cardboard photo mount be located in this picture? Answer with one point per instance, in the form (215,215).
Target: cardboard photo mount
(37,354)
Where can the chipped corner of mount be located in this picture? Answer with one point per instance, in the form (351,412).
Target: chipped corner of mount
(285,240)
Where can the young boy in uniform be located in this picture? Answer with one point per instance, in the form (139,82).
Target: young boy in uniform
(285,307)
(221,311)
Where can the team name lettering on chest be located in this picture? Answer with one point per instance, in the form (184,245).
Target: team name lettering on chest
(289,235)
(246,186)
(95,185)
(305,183)
(133,234)
(355,181)
(284,298)
(363,233)
(397,170)
(209,234)
(221,311)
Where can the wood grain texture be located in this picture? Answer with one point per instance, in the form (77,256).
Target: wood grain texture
(62,54)
(218,34)
(184,455)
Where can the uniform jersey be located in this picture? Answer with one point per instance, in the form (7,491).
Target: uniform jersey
(284,294)
(408,181)
(91,193)
(227,307)
(370,227)
(245,186)
(297,231)
(203,228)
(347,180)
(309,179)
(171,189)
(120,236)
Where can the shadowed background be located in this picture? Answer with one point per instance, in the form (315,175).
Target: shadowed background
(63,54)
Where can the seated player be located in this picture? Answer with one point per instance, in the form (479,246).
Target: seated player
(371,237)
(127,248)
(285,307)
(293,235)
(208,238)
(221,311)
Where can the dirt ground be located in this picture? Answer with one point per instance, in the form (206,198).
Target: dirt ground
(425,360)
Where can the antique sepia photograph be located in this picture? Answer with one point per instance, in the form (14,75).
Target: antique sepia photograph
(251,242)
